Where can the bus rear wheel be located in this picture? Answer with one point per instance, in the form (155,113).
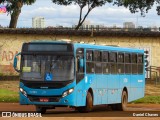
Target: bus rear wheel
(89,104)
(123,105)
(124,100)
(40,109)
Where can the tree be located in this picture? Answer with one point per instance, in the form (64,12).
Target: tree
(14,9)
(90,4)
(137,5)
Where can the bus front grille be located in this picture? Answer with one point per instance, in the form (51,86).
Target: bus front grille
(49,98)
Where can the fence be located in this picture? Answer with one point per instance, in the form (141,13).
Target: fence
(153,74)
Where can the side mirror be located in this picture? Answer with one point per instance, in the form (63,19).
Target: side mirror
(81,63)
(15,62)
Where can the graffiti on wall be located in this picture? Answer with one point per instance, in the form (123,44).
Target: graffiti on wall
(8,55)
(6,66)
(147,58)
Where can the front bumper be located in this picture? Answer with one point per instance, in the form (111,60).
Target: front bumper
(53,100)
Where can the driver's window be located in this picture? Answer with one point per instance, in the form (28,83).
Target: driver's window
(80,55)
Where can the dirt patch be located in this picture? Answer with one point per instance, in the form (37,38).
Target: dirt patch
(152,89)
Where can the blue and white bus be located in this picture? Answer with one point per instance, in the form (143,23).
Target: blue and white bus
(56,74)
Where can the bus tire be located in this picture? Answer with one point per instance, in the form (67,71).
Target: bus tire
(40,109)
(123,105)
(89,104)
(124,100)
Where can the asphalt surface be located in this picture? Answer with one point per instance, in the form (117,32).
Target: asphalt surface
(133,110)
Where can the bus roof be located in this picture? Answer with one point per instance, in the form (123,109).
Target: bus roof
(92,46)
(105,47)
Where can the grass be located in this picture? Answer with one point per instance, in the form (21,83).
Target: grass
(148,100)
(8,96)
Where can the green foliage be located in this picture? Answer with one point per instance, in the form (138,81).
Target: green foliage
(148,99)
(91,4)
(15,5)
(14,9)
(82,3)
(8,96)
(137,5)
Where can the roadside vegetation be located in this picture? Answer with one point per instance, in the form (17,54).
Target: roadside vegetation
(8,96)
(148,100)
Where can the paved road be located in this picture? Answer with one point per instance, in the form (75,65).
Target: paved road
(99,111)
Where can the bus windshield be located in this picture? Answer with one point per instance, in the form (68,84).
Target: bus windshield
(35,67)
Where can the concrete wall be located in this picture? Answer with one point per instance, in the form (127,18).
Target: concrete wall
(10,44)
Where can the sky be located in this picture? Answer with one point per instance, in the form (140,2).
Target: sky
(57,15)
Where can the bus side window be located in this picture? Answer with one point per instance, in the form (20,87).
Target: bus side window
(120,60)
(89,62)
(105,56)
(80,55)
(113,62)
(105,64)
(78,68)
(97,55)
(89,55)
(127,60)
(140,63)
(97,61)
(134,63)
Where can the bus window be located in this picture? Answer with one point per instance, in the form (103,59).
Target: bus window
(97,55)
(140,58)
(90,67)
(113,60)
(120,60)
(80,54)
(134,63)
(113,68)
(89,55)
(112,57)
(106,68)
(98,67)
(140,64)
(89,62)
(79,70)
(127,59)
(105,56)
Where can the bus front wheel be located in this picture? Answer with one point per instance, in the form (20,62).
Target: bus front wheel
(89,104)
(40,109)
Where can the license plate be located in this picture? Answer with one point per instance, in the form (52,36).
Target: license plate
(43,100)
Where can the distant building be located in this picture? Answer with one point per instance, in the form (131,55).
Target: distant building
(154,29)
(88,26)
(128,25)
(38,22)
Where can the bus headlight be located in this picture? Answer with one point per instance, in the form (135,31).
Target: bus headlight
(67,92)
(23,92)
